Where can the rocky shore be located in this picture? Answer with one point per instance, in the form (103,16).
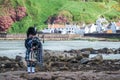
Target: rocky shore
(63,65)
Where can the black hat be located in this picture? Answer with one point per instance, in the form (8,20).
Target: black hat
(32,31)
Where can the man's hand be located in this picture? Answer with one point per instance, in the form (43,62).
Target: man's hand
(33,48)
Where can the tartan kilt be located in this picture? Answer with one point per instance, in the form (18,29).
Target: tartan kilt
(34,55)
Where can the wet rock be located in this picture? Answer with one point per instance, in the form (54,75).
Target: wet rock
(24,75)
(57,61)
(36,78)
(88,66)
(117,63)
(97,59)
(18,58)
(87,49)
(75,51)
(79,56)
(110,51)
(94,52)
(86,54)
(60,78)
(64,68)
(4,58)
(54,58)
(21,65)
(73,60)
(11,65)
(84,78)
(2,65)
(84,61)
(61,58)
(105,51)
(46,56)
(117,51)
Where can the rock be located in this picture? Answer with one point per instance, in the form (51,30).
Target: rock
(98,58)
(79,56)
(24,62)
(87,66)
(84,60)
(117,51)
(60,78)
(87,49)
(36,78)
(62,58)
(24,75)
(18,58)
(86,54)
(94,52)
(110,51)
(73,60)
(117,63)
(84,78)
(104,50)
(4,58)
(64,68)
(2,65)
(58,64)
(54,58)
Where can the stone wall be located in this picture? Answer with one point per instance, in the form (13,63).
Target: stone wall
(43,36)
(103,35)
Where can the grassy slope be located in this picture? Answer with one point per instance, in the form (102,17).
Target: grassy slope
(39,10)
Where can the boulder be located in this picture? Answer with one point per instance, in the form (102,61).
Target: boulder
(86,54)
(79,56)
(98,58)
(84,61)
(87,49)
(110,51)
(73,60)
(18,58)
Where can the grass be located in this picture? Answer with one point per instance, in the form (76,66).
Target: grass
(38,12)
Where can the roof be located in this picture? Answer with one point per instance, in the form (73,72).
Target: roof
(118,23)
(56,26)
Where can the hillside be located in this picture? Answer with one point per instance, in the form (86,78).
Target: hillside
(39,12)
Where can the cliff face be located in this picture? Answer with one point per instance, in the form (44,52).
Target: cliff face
(10,14)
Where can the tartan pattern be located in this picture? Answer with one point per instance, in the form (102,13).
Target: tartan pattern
(39,55)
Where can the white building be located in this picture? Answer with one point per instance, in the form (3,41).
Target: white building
(91,28)
(72,29)
(111,27)
(102,23)
(63,29)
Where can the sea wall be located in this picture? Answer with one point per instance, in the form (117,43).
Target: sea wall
(103,35)
(42,36)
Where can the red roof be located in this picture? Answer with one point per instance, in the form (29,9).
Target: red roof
(56,26)
(118,23)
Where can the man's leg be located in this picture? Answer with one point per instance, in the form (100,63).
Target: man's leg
(33,67)
(28,67)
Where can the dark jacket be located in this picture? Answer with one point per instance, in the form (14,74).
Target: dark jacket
(34,42)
